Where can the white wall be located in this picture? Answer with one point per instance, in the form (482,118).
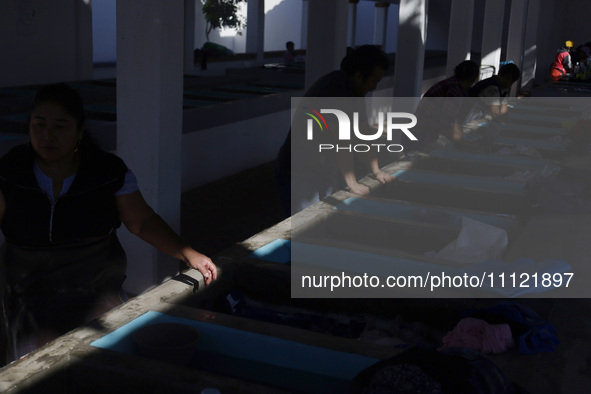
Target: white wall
(548,39)
(45,41)
(477,25)
(573,22)
(278,28)
(438,25)
(199,26)
(392,30)
(211,154)
(104,31)
(365,23)
(283,23)
(228,38)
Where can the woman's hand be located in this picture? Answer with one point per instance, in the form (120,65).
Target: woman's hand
(359,188)
(383,177)
(141,220)
(201,263)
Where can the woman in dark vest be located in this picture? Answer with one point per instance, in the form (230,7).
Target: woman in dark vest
(61,201)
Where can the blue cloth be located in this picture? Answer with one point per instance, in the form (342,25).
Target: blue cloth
(531,333)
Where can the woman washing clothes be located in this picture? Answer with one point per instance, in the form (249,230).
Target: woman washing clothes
(61,201)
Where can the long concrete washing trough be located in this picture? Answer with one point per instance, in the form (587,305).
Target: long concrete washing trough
(256,337)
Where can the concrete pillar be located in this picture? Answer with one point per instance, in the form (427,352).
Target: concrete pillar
(83,35)
(516,37)
(381,23)
(200,36)
(528,70)
(304,32)
(547,41)
(492,33)
(149,121)
(460,33)
(410,53)
(255,29)
(352,30)
(189,63)
(327,37)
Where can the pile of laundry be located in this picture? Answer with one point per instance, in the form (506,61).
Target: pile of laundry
(501,327)
(427,371)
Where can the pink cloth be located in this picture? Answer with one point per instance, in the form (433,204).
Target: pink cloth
(479,335)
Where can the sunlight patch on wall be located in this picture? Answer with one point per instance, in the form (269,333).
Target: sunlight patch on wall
(270,4)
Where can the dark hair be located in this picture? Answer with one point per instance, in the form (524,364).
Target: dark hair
(64,96)
(289,44)
(511,70)
(467,70)
(364,59)
(71,101)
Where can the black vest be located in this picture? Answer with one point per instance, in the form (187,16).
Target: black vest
(87,211)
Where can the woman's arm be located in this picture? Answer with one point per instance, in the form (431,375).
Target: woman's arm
(141,220)
(347,168)
(380,175)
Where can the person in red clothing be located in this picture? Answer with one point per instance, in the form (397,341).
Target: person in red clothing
(562,63)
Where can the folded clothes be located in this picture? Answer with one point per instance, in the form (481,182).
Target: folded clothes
(479,335)
(531,333)
(427,371)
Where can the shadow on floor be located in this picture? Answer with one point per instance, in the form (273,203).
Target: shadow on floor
(220,214)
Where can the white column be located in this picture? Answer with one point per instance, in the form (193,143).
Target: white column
(528,71)
(460,33)
(304,32)
(255,29)
(200,36)
(516,37)
(83,68)
(381,23)
(189,28)
(149,121)
(410,53)
(351,37)
(547,43)
(327,38)
(492,33)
